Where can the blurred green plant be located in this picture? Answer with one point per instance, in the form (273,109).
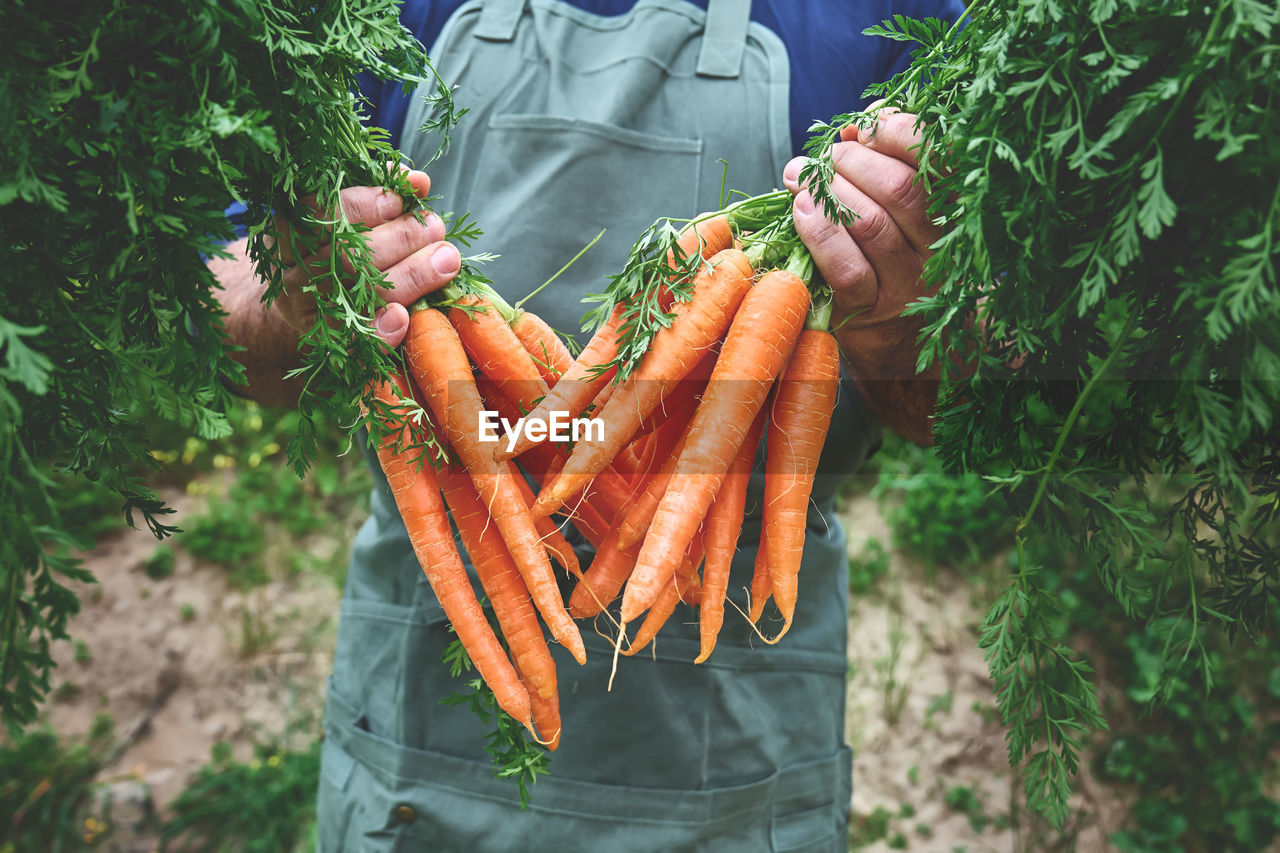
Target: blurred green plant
(47,791)
(1202,762)
(938,517)
(1196,745)
(160,564)
(254,498)
(966,799)
(1104,309)
(265,805)
(868,568)
(257,630)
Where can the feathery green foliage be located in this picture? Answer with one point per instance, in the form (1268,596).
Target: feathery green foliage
(1108,174)
(129,128)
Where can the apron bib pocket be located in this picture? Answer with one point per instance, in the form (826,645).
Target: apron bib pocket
(611,176)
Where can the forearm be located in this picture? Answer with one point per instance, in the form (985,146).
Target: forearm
(882,358)
(269,344)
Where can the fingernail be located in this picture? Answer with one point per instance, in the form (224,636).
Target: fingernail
(791,172)
(446,260)
(389,322)
(804,204)
(389,205)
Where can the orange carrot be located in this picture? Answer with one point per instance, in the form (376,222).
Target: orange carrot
(683,400)
(704,238)
(417,497)
(604,579)
(544,346)
(688,584)
(545,459)
(681,410)
(581,382)
(755,351)
(675,590)
(600,400)
(579,385)
(496,351)
(718,289)
(546,717)
(552,539)
(637,459)
(441,369)
(502,583)
(761,582)
(541,457)
(591,524)
(663,606)
(634,527)
(798,423)
(666,437)
(720,535)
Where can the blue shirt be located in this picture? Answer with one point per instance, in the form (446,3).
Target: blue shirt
(832,63)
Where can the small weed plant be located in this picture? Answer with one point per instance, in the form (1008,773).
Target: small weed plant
(264,805)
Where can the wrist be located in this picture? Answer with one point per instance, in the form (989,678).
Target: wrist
(266,343)
(881,348)
(882,358)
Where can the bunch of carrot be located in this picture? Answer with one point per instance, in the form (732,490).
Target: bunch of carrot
(706,351)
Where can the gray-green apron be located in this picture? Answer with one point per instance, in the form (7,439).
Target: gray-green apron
(580,122)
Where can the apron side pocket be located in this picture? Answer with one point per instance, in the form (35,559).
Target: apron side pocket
(813,812)
(337,811)
(335,765)
(814,829)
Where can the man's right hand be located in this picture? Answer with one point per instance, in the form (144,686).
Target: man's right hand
(411,253)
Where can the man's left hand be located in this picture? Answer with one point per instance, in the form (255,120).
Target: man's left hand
(874,264)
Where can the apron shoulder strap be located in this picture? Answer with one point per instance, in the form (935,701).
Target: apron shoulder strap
(498,19)
(725,38)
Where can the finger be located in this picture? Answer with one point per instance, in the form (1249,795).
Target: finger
(791,173)
(418,179)
(423,272)
(849,133)
(391,323)
(396,240)
(892,184)
(390,243)
(420,182)
(371,206)
(897,266)
(896,134)
(842,264)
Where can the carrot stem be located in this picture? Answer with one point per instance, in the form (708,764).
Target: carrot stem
(558,272)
